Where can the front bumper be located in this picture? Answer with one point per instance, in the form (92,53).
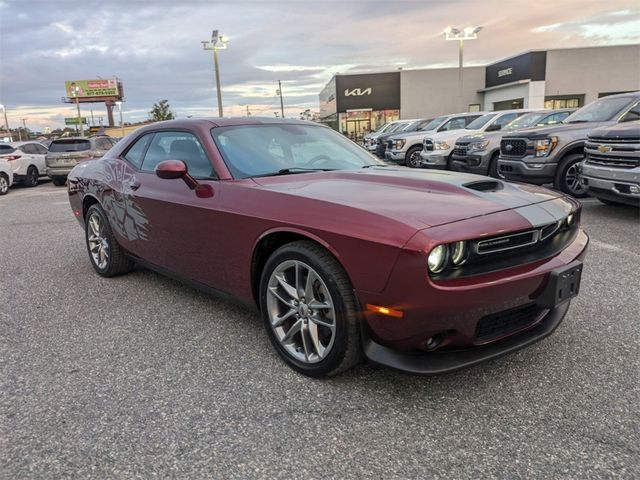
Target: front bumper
(435,159)
(395,155)
(456,309)
(522,171)
(612,184)
(473,163)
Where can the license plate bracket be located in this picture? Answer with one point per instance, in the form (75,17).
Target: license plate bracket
(563,285)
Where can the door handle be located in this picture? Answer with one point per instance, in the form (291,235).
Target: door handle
(133,184)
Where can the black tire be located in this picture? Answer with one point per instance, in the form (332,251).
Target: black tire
(449,161)
(611,203)
(4,184)
(412,159)
(31,179)
(117,263)
(346,350)
(59,181)
(493,166)
(567,180)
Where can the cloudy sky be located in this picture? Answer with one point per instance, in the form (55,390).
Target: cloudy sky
(154,46)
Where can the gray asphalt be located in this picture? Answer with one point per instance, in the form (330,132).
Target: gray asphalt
(140,376)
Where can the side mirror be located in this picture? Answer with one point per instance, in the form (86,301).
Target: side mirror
(493,127)
(171,169)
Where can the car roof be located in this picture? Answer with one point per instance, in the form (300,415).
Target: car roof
(17,144)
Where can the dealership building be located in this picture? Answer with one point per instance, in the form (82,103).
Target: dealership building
(355,104)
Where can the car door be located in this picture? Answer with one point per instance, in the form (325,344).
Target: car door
(40,152)
(182,229)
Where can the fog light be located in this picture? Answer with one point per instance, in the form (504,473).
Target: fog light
(634,189)
(434,342)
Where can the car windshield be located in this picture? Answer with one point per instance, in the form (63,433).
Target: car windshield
(396,127)
(435,123)
(601,110)
(261,150)
(413,126)
(480,121)
(69,145)
(525,121)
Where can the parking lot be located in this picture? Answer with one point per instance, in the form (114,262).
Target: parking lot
(139,375)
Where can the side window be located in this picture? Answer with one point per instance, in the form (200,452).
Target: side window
(470,118)
(40,149)
(504,119)
(135,153)
(632,115)
(25,148)
(453,124)
(553,119)
(178,146)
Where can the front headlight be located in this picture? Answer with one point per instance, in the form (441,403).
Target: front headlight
(459,253)
(398,144)
(437,259)
(477,146)
(440,145)
(571,218)
(544,146)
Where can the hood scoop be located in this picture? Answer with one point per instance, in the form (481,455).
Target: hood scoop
(484,185)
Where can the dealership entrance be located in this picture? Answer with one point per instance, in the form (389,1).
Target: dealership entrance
(509,104)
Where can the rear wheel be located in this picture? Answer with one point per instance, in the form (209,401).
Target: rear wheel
(493,166)
(31,179)
(412,159)
(59,181)
(4,184)
(309,310)
(567,179)
(107,258)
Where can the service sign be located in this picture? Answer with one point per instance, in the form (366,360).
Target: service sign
(92,88)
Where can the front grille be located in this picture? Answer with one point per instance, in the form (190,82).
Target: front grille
(389,145)
(460,150)
(428,145)
(614,140)
(507,322)
(612,161)
(507,242)
(513,147)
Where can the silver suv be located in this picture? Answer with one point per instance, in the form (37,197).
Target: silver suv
(369,141)
(611,169)
(405,148)
(66,153)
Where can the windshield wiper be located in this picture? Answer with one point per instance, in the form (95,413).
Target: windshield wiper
(292,170)
(374,165)
(580,121)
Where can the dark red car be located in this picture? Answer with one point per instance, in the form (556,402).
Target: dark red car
(345,257)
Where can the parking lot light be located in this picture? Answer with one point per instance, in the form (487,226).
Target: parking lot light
(218,42)
(468,33)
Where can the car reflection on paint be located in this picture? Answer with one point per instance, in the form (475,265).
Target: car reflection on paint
(345,258)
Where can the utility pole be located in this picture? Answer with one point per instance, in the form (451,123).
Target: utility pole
(6,121)
(218,42)
(119,105)
(24,125)
(92,122)
(281,103)
(248,112)
(75,94)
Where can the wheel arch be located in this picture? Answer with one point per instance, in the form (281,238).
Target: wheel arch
(87,201)
(576,147)
(273,239)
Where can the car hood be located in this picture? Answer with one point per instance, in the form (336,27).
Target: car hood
(419,199)
(451,134)
(411,135)
(621,131)
(550,130)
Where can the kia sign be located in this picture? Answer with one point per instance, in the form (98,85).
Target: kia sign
(377,91)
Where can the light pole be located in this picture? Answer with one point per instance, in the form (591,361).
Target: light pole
(119,105)
(76,90)
(279,92)
(218,42)
(468,33)
(6,122)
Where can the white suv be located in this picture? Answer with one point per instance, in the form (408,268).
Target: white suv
(26,160)
(437,148)
(6,177)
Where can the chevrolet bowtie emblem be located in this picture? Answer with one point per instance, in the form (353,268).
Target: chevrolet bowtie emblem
(604,148)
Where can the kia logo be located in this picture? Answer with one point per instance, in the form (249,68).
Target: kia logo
(357,92)
(508,147)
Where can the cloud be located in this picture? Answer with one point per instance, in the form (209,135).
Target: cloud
(154,47)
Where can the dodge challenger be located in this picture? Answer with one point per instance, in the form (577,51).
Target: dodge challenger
(345,257)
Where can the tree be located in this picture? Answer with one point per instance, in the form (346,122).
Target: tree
(161,111)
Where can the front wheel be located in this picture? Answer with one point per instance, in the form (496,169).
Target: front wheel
(413,159)
(309,310)
(107,258)
(31,179)
(567,178)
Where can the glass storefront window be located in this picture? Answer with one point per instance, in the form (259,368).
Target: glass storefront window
(563,102)
(357,123)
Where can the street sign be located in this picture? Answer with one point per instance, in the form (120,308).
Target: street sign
(74,120)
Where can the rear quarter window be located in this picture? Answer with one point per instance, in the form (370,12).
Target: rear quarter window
(70,146)
(4,149)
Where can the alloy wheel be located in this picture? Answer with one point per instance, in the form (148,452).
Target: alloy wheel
(4,185)
(572,180)
(301,311)
(414,159)
(98,242)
